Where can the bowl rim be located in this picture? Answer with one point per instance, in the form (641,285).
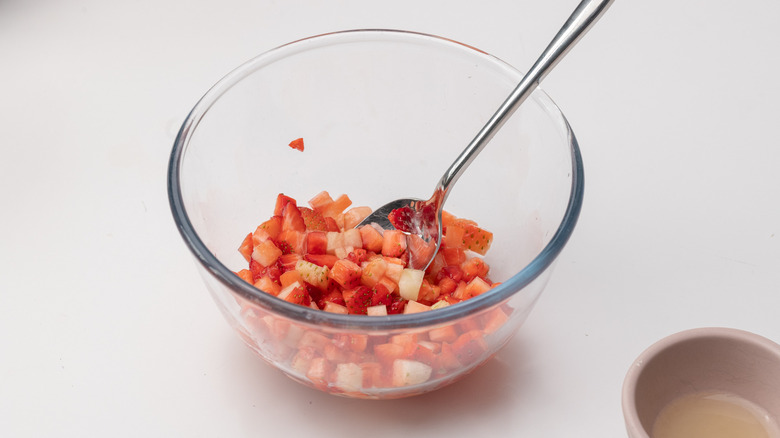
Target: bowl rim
(497,295)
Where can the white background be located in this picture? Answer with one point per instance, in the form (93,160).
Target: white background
(106,330)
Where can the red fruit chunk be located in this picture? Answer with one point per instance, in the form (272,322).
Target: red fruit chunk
(281,201)
(358,299)
(313,220)
(401,219)
(381,296)
(292,219)
(297,144)
(322,259)
(345,273)
(316,242)
(475,238)
(452,272)
(470,347)
(246,247)
(393,243)
(397,306)
(475,267)
(357,256)
(333,296)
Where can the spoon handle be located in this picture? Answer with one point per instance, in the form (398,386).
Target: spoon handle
(580,21)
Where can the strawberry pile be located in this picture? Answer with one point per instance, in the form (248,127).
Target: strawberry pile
(316,256)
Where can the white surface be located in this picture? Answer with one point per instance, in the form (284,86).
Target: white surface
(105,329)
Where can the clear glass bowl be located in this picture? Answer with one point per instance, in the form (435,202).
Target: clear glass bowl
(382,113)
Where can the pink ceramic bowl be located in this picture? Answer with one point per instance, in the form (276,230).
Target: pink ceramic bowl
(702,360)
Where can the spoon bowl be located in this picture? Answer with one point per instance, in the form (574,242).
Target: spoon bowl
(421,220)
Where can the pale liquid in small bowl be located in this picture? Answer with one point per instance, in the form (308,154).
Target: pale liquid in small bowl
(714,415)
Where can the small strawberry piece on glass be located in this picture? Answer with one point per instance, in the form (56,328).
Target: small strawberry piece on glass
(297,144)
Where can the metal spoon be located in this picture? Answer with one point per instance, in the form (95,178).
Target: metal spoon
(421,219)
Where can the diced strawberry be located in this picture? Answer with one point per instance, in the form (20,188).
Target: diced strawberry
(269,229)
(266,253)
(393,243)
(332,296)
(428,292)
(355,215)
(246,275)
(292,219)
(295,293)
(372,238)
(281,201)
(453,256)
(389,353)
(357,256)
(290,277)
(452,272)
(447,285)
(297,144)
(401,218)
(446,360)
(476,286)
(332,225)
(453,237)
(373,271)
(322,259)
(274,271)
(474,267)
(336,207)
(447,218)
(470,347)
(287,262)
(446,333)
(316,242)
(397,306)
(267,285)
(475,238)
(358,299)
(285,247)
(320,201)
(381,295)
(246,247)
(495,320)
(313,220)
(345,273)
(295,239)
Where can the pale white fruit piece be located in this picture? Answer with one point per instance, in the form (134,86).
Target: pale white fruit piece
(410,372)
(409,283)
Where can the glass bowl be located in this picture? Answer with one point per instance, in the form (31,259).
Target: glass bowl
(382,113)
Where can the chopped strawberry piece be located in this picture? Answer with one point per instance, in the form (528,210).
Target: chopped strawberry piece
(297,144)
(246,247)
(281,201)
(292,219)
(332,225)
(313,220)
(316,242)
(401,218)
(393,243)
(371,237)
(333,296)
(345,273)
(322,259)
(358,299)
(381,296)
(397,306)
(357,256)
